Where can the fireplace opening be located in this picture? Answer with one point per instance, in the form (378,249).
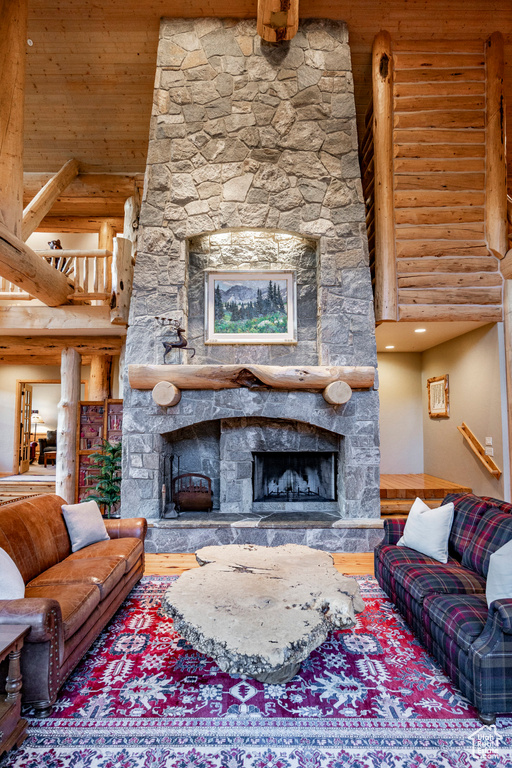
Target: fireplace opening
(294,476)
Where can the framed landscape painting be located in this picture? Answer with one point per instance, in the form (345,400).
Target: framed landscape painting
(250,307)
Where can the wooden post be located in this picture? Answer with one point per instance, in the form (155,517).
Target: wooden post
(131,218)
(278,20)
(105,240)
(385,259)
(122,279)
(42,203)
(122,370)
(21,265)
(67,417)
(496,165)
(99,384)
(13,41)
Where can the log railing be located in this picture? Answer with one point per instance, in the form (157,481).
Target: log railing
(11,292)
(102,276)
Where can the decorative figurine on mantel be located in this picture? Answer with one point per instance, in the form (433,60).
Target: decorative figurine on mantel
(180,343)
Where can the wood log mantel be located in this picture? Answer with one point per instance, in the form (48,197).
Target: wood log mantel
(316,377)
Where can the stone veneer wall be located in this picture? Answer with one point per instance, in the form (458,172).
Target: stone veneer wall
(247,135)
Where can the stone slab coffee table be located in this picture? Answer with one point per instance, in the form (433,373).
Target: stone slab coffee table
(260,611)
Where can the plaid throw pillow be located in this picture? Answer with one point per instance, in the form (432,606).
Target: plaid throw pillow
(494,530)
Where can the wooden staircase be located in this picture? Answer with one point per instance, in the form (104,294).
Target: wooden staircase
(438,256)
(20,489)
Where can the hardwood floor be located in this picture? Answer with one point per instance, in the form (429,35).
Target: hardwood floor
(173,564)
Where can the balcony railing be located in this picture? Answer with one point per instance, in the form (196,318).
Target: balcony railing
(100,276)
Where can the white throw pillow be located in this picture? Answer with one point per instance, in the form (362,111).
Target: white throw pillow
(12,586)
(428,530)
(84,523)
(499,575)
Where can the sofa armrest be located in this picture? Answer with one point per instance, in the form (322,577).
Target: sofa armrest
(132,527)
(393,530)
(501,611)
(42,614)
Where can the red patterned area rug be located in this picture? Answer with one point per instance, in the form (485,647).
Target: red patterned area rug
(367,698)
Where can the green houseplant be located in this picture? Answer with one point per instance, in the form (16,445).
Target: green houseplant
(108,480)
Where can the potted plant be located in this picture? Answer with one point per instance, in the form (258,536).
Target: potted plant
(108,485)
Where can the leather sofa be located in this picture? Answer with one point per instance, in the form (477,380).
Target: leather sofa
(69,597)
(445,604)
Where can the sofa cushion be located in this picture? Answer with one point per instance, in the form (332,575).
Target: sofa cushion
(103,572)
(77,602)
(493,531)
(127,550)
(468,512)
(12,586)
(84,523)
(503,506)
(421,580)
(428,530)
(33,533)
(391,556)
(461,617)
(499,576)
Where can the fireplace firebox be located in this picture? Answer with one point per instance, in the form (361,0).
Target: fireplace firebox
(294,476)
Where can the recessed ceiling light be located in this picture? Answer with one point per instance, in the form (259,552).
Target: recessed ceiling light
(420,330)
(390,346)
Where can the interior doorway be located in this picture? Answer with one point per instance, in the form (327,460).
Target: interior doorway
(36,426)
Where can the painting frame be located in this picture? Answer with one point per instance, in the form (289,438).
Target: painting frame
(438,395)
(249,277)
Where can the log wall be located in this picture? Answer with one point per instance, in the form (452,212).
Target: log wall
(445,269)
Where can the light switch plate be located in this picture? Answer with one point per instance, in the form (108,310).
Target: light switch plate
(488,440)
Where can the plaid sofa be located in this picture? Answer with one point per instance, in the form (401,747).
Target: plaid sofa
(445,604)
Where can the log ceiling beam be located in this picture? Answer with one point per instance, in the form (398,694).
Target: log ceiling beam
(22,266)
(100,195)
(278,20)
(78,224)
(23,320)
(37,359)
(42,203)
(52,346)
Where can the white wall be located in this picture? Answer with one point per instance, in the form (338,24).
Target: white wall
(412,442)
(39,240)
(473,365)
(401,424)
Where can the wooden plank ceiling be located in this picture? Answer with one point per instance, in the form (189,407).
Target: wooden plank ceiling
(91,66)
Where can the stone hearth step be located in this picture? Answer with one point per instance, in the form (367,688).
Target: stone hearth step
(192,530)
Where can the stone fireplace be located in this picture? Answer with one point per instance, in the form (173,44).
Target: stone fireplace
(253,165)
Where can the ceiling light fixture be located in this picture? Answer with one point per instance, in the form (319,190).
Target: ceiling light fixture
(390,346)
(420,330)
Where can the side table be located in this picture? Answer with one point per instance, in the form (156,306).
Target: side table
(12,726)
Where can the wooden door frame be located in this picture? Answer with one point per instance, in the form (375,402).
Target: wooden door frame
(19,386)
